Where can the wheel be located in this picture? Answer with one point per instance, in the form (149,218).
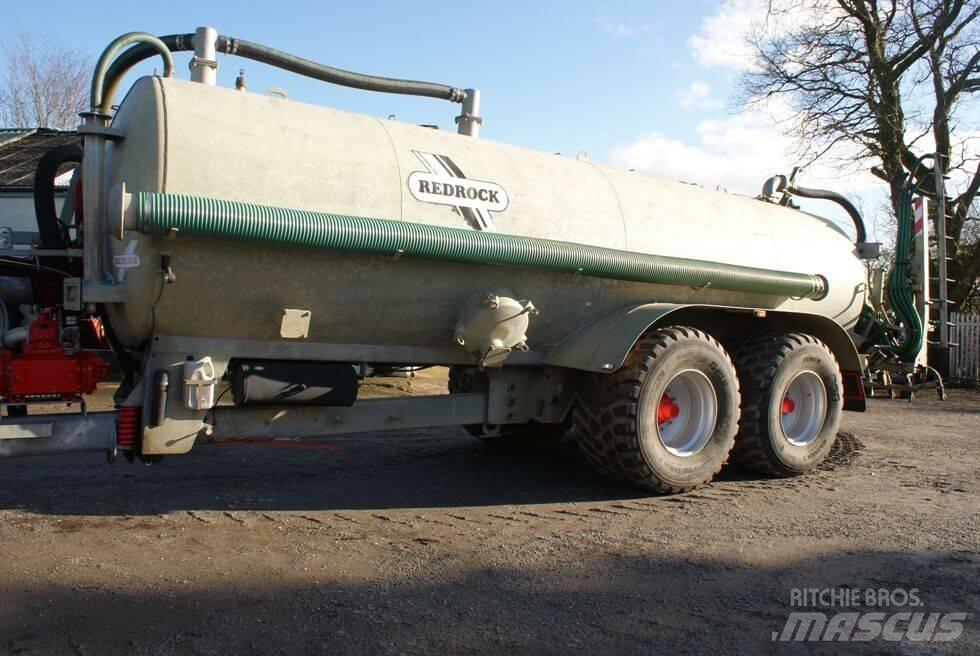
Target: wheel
(531,435)
(792,399)
(666,420)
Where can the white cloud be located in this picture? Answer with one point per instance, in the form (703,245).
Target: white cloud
(697,95)
(738,153)
(720,39)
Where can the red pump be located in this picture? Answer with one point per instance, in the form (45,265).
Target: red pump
(46,371)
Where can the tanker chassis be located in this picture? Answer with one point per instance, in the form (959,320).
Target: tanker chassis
(227,240)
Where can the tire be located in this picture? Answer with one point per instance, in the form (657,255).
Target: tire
(775,436)
(626,428)
(532,435)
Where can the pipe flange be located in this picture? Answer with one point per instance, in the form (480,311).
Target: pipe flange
(465,116)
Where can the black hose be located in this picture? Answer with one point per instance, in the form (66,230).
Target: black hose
(128,363)
(823,194)
(333,75)
(48,226)
(285,61)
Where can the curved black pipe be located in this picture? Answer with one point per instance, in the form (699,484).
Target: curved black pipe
(285,61)
(823,194)
(50,229)
(294,64)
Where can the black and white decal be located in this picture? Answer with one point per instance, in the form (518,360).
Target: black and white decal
(443,183)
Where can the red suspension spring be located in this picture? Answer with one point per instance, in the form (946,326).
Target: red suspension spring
(130,423)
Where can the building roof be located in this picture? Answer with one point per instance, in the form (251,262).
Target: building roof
(22,148)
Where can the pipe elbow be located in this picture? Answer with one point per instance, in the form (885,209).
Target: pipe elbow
(833,196)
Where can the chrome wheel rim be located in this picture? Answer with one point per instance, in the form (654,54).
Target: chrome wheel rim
(686,413)
(803,408)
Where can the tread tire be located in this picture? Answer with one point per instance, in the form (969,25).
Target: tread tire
(607,416)
(768,360)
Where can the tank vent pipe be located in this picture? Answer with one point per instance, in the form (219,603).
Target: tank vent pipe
(190,217)
(204,63)
(469,119)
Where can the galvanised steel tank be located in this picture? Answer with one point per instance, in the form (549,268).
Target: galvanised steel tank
(183,138)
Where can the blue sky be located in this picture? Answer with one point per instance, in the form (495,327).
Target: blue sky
(556,76)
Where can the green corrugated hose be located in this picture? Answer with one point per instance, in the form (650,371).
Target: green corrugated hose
(900,296)
(159,214)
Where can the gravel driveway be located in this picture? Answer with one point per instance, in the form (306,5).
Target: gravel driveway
(431,542)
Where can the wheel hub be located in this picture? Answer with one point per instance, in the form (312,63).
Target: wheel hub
(789,405)
(803,408)
(667,410)
(687,413)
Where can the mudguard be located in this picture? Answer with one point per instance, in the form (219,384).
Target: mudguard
(602,345)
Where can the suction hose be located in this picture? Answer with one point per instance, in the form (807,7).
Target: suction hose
(139,52)
(100,99)
(266,55)
(187,216)
(294,64)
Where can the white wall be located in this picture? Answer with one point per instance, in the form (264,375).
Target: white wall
(17,210)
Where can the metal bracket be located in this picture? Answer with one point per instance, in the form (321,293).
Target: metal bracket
(25,431)
(103,293)
(113,134)
(295,323)
(201,61)
(73,294)
(469,117)
(868,250)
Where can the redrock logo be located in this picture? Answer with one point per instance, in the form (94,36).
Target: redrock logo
(445,184)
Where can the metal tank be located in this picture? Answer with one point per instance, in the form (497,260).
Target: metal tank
(279,246)
(197,140)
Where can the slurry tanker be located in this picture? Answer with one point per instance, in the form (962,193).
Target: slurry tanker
(218,240)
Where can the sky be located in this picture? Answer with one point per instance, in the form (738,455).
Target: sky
(643,85)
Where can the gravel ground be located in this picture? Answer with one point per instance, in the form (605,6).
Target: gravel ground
(431,542)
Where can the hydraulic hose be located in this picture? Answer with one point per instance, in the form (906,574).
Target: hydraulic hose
(823,194)
(48,227)
(279,59)
(163,214)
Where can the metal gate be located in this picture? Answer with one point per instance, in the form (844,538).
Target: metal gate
(964,358)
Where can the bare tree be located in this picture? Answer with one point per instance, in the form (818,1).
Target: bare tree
(42,84)
(885,82)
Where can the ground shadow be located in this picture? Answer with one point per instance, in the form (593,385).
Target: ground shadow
(603,604)
(407,469)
